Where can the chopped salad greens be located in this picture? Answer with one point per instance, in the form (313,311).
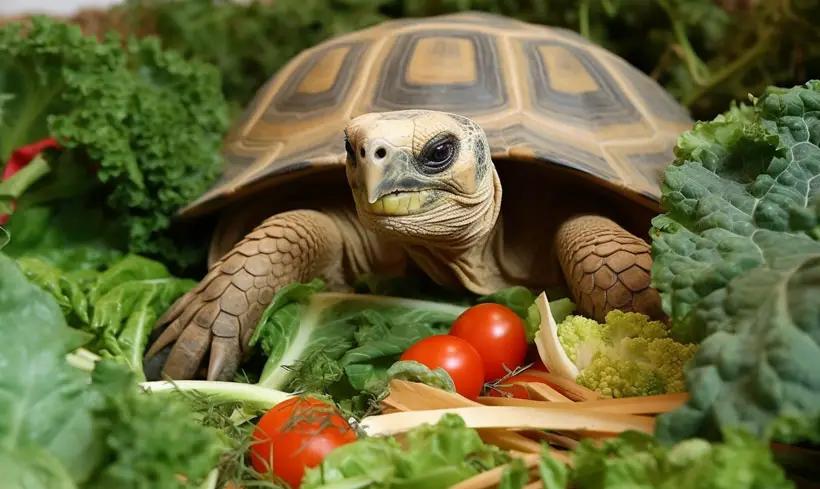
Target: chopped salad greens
(637,460)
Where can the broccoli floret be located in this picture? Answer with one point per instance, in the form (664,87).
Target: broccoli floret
(580,338)
(621,324)
(629,355)
(615,377)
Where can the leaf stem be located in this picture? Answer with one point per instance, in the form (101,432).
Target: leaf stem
(261,397)
(27,176)
(583,18)
(729,70)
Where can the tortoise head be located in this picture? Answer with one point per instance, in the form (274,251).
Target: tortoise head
(422,176)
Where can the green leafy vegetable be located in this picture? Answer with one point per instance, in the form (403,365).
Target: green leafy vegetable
(515,475)
(141,127)
(343,343)
(348,344)
(118,306)
(47,397)
(71,430)
(416,372)
(737,261)
(433,457)
(143,433)
(636,460)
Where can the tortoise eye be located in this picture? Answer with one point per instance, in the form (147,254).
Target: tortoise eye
(442,152)
(438,154)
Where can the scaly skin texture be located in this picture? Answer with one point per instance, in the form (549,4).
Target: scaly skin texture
(223,309)
(424,189)
(607,267)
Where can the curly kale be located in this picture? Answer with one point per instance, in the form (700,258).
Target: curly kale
(141,129)
(737,262)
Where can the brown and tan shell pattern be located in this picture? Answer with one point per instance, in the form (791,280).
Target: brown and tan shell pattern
(540,93)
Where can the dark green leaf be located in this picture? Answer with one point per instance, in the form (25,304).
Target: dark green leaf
(738,268)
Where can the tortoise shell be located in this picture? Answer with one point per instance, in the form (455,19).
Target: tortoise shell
(543,94)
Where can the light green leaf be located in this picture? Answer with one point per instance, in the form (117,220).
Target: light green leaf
(66,291)
(33,468)
(431,457)
(43,398)
(417,372)
(515,475)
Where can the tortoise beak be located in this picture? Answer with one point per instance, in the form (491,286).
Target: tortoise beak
(376,163)
(373,177)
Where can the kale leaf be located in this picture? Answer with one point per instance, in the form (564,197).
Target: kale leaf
(737,263)
(141,128)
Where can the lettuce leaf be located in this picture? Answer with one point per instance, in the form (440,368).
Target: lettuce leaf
(63,428)
(117,307)
(430,457)
(737,263)
(343,343)
(44,399)
(637,461)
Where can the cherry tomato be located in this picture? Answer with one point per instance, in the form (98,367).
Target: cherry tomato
(454,355)
(509,388)
(295,435)
(497,334)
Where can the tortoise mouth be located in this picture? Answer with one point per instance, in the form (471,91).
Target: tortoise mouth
(397,204)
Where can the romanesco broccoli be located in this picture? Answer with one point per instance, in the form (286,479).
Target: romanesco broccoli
(629,355)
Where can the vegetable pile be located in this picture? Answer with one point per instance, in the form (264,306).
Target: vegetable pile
(67,428)
(133,133)
(398,384)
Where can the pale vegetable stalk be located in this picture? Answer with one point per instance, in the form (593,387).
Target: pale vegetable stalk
(548,345)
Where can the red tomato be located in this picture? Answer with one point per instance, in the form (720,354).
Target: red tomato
(454,355)
(497,334)
(295,435)
(508,387)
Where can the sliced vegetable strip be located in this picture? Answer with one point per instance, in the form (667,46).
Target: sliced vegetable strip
(554,418)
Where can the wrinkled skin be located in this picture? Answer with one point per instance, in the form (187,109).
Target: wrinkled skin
(425,192)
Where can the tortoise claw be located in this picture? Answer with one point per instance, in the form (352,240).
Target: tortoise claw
(171,333)
(226,355)
(187,353)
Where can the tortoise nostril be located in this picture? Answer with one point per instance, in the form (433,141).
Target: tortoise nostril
(362,153)
(381,153)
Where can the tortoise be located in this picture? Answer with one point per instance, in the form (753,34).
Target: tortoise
(385,151)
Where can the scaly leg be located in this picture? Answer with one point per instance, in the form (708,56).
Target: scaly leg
(606,267)
(222,311)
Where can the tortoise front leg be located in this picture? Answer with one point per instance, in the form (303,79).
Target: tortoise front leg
(222,311)
(606,267)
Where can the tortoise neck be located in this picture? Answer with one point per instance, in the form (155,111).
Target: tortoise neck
(462,257)
(481,221)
